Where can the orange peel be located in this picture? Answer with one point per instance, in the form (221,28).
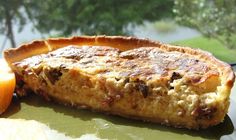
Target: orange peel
(7,85)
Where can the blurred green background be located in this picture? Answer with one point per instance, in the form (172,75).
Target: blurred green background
(204,24)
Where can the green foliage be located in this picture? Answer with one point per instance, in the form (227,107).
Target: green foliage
(210,45)
(213,18)
(93,17)
(10,12)
(13,8)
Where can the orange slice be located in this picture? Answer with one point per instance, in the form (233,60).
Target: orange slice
(7,85)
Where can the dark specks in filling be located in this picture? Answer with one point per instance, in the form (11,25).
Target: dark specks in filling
(130,57)
(175,76)
(126,80)
(205,112)
(143,88)
(117,79)
(63,66)
(52,74)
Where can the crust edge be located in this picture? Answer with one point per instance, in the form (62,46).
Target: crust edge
(121,42)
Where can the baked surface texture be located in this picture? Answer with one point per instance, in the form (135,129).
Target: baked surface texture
(126,76)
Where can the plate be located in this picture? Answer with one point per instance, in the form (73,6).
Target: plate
(76,122)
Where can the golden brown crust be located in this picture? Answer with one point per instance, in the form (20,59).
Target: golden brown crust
(120,42)
(25,50)
(127,43)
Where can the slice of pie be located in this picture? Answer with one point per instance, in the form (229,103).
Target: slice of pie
(126,76)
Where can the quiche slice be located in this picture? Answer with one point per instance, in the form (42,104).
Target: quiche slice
(126,76)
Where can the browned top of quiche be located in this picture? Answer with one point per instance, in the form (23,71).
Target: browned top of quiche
(190,82)
(146,63)
(153,58)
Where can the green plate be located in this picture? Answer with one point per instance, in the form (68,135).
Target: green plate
(76,122)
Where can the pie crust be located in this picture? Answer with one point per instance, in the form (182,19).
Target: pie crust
(183,101)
